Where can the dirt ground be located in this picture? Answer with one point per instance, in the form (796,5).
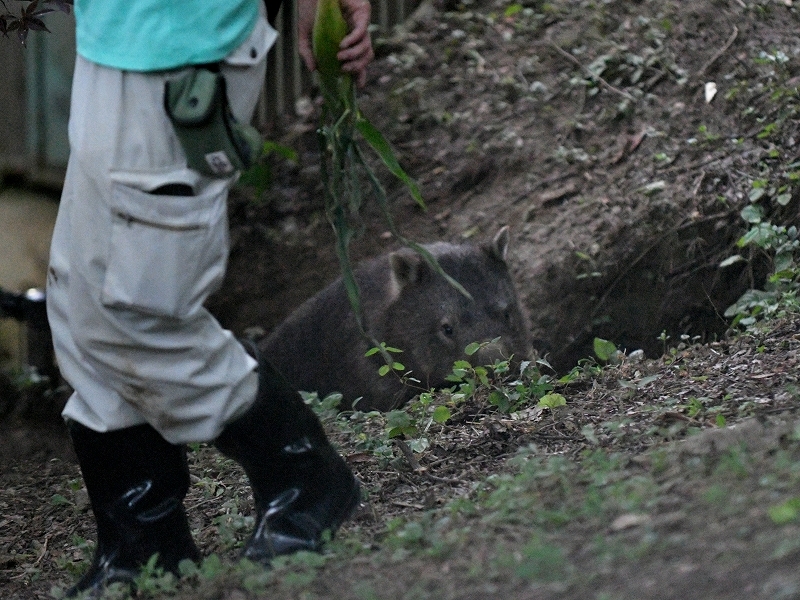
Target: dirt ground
(585,126)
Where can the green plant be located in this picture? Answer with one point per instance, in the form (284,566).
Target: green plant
(604,350)
(342,160)
(232,525)
(552,401)
(29,17)
(706,136)
(780,244)
(507,395)
(540,561)
(408,427)
(430,535)
(586,368)
(386,351)
(153,581)
(786,512)
(259,176)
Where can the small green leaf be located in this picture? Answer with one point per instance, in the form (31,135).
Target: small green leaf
(398,366)
(604,349)
(384,151)
(782,263)
(552,401)
(394,432)
(258,177)
(279,149)
(188,568)
(752,213)
(384,370)
(418,444)
(785,513)
(212,566)
(472,348)
(441,414)
(398,418)
(590,435)
(500,400)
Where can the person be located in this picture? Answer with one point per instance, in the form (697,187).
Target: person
(140,242)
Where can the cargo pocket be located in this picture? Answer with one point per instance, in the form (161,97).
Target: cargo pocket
(167,253)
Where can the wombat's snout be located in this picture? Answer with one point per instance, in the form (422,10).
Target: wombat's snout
(493,351)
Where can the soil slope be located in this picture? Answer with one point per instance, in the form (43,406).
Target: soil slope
(587,128)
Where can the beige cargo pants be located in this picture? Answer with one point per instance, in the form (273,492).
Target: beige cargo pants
(130,269)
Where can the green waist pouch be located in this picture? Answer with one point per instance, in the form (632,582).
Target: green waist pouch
(215,143)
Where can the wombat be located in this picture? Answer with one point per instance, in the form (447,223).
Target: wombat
(407,305)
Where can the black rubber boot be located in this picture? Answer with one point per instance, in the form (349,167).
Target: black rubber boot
(301,485)
(136,482)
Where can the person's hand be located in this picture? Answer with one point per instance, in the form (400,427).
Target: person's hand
(356,48)
(355,51)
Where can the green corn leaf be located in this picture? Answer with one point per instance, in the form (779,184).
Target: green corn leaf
(330,28)
(382,148)
(342,161)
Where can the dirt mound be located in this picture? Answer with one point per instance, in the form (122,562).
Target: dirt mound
(582,125)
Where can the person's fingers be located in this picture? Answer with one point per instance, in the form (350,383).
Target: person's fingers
(356,48)
(358,14)
(356,59)
(306,12)
(307,54)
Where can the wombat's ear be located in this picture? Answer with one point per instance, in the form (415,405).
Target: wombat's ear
(406,267)
(499,245)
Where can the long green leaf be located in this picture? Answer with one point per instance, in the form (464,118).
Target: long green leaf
(383,204)
(382,148)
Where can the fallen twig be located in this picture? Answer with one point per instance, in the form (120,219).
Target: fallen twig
(719,52)
(594,77)
(43,552)
(446,480)
(412,461)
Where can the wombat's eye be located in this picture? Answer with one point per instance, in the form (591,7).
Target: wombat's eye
(447,329)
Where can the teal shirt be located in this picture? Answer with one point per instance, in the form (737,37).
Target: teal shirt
(151,35)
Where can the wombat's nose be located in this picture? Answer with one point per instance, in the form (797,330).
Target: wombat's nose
(488,353)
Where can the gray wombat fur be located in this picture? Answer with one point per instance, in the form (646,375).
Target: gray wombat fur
(409,306)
